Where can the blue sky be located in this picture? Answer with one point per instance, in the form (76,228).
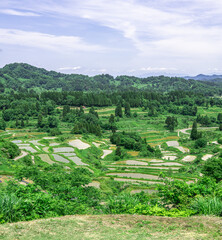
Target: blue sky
(133,37)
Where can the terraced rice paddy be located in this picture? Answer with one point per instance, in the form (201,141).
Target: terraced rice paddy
(207,156)
(46,149)
(189,158)
(134,175)
(156,161)
(133,162)
(146,167)
(171,158)
(77,143)
(167,164)
(36,142)
(176,145)
(96,144)
(105,153)
(136,181)
(46,158)
(69,154)
(63,150)
(60,158)
(27,148)
(78,161)
(53,144)
(17,141)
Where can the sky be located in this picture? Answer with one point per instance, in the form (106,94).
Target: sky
(118,37)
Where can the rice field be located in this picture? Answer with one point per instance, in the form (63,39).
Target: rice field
(78,161)
(134,175)
(60,158)
(189,158)
(105,153)
(46,158)
(63,150)
(77,143)
(207,156)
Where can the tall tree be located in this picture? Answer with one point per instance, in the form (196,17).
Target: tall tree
(127,109)
(118,111)
(194,133)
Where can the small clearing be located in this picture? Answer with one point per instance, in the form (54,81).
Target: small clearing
(189,158)
(150,191)
(46,158)
(94,184)
(106,152)
(77,143)
(207,156)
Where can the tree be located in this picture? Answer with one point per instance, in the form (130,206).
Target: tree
(118,151)
(213,168)
(39,124)
(22,123)
(118,111)
(171,123)
(2,125)
(65,111)
(111,119)
(219,117)
(127,109)
(194,135)
(52,122)
(220,127)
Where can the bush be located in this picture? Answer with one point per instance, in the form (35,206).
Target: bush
(213,168)
(207,206)
(200,143)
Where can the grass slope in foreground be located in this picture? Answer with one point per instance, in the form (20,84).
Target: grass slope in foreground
(115,227)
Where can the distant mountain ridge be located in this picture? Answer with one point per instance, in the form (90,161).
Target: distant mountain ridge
(19,76)
(202,77)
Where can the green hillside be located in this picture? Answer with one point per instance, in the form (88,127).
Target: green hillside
(21,75)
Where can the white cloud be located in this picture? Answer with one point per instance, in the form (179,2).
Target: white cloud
(157,69)
(69,68)
(18,13)
(46,41)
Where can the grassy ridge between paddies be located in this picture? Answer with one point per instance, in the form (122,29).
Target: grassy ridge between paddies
(117,227)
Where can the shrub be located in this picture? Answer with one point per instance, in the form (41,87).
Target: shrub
(207,206)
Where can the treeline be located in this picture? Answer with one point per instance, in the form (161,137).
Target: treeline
(20,76)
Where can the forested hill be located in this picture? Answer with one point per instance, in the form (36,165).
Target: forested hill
(208,78)
(20,75)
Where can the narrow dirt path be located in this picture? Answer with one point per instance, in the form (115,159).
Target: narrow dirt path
(21,156)
(184,131)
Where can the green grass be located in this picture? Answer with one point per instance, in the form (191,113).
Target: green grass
(119,227)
